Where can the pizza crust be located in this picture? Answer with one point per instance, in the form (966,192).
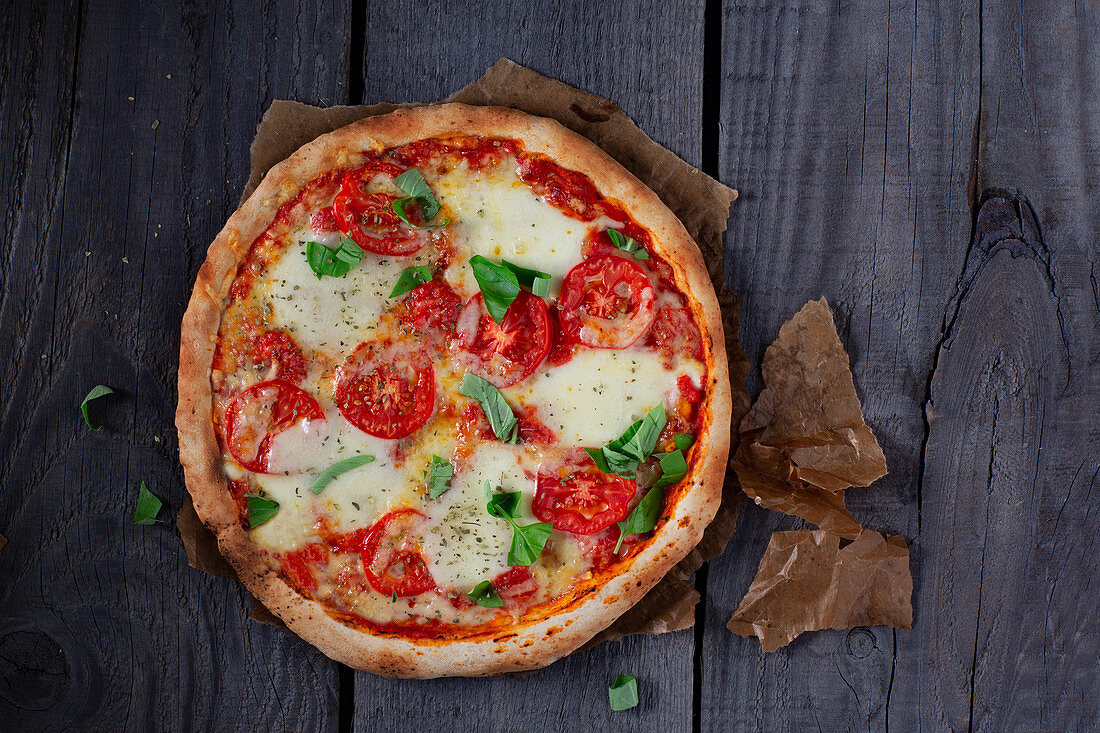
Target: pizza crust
(565,624)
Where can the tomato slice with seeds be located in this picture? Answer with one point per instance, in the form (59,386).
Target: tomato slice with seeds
(674,333)
(515,585)
(255,416)
(392,557)
(507,352)
(433,306)
(582,502)
(386,390)
(607,302)
(277,352)
(368,217)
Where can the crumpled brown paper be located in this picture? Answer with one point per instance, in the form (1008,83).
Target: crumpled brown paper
(807,582)
(700,202)
(804,441)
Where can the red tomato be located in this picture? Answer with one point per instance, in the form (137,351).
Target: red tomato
(391,555)
(323,220)
(515,585)
(687,388)
(385,390)
(431,306)
(507,352)
(606,301)
(674,333)
(254,417)
(583,502)
(368,218)
(300,565)
(277,351)
(599,548)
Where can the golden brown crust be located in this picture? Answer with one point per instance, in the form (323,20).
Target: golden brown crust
(544,640)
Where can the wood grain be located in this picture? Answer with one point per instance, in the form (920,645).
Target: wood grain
(132,124)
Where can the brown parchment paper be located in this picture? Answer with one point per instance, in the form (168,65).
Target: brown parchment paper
(700,202)
(804,441)
(807,581)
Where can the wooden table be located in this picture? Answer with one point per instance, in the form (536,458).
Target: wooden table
(931,168)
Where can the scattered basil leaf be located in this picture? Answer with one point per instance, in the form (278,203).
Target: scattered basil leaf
(411,277)
(684,440)
(484,594)
(502,504)
(499,286)
(416,189)
(333,261)
(527,540)
(628,244)
(502,420)
(260,509)
(336,469)
(623,693)
(644,517)
(398,207)
(100,390)
(148,506)
(634,446)
(438,474)
(393,598)
(673,468)
(537,280)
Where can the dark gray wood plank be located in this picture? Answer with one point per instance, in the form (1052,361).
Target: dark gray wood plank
(133,123)
(648,58)
(847,128)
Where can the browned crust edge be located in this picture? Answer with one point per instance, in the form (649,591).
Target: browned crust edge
(548,639)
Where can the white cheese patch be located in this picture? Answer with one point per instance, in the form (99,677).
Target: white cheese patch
(498,216)
(595,396)
(333,315)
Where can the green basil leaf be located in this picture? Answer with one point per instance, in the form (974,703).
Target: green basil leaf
(527,542)
(260,509)
(628,244)
(499,286)
(598,459)
(673,468)
(415,187)
(399,205)
(537,280)
(439,474)
(148,506)
(484,594)
(501,418)
(100,390)
(333,262)
(336,469)
(644,517)
(634,446)
(623,693)
(411,277)
(502,504)
(684,440)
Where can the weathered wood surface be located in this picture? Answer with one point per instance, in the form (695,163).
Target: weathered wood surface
(929,167)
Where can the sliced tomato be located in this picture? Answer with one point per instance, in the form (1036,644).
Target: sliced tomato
(674,333)
(255,416)
(386,390)
(599,547)
(606,301)
(515,585)
(323,220)
(392,558)
(507,352)
(368,218)
(583,502)
(301,565)
(277,352)
(433,306)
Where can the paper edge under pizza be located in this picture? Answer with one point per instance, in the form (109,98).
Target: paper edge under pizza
(575,618)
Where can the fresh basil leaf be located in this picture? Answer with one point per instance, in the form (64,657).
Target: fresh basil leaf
(100,390)
(148,506)
(398,207)
(411,277)
(484,594)
(623,693)
(684,440)
(415,187)
(537,280)
(644,517)
(502,504)
(628,244)
(499,286)
(502,420)
(260,509)
(439,474)
(336,469)
(333,262)
(598,459)
(673,468)
(634,446)
(527,542)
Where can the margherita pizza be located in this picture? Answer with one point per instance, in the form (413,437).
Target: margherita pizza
(453,392)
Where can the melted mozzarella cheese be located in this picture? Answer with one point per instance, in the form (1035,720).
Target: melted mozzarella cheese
(595,396)
(332,315)
(498,216)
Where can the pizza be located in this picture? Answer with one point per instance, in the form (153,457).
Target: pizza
(452,392)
